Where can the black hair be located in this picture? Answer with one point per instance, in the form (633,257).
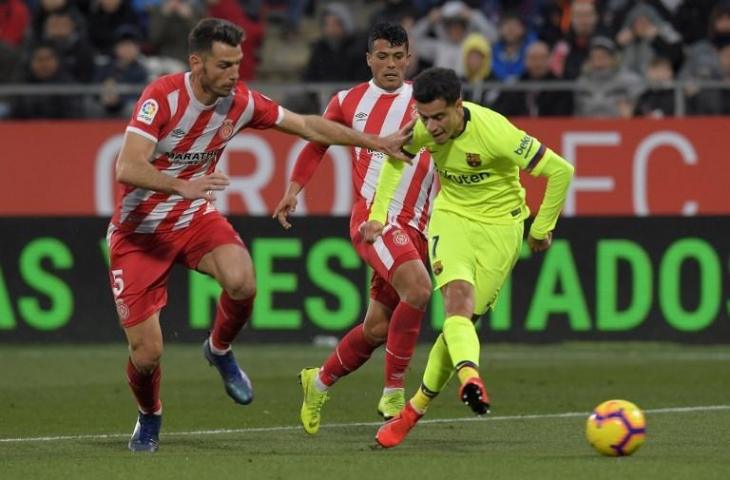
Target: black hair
(392,33)
(44,44)
(435,83)
(512,15)
(210,30)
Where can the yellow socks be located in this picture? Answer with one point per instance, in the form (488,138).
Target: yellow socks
(439,369)
(465,373)
(462,341)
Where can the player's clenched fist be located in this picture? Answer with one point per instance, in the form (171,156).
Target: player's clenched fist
(371,230)
(204,187)
(539,245)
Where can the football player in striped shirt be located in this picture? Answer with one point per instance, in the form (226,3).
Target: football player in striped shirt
(476,229)
(167,164)
(400,287)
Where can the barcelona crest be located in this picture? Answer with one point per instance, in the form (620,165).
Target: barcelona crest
(473,159)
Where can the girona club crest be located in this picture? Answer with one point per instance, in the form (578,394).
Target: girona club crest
(414,112)
(400,238)
(122,310)
(473,159)
(226,130)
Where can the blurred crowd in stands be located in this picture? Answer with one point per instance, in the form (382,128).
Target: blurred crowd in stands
(621,55)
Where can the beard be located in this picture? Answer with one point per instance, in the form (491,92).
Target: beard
(209,86)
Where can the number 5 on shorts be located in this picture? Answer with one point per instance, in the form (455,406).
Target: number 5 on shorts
(117,282)
(435,240)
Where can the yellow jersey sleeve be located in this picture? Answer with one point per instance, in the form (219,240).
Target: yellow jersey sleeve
(559,174)
(515,145)
(391,173)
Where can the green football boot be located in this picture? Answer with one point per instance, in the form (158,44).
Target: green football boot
(391,403)
(312,402)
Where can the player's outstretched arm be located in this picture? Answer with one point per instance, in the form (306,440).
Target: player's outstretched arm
(307,162)
(134,168)
(559,174)
(321,130)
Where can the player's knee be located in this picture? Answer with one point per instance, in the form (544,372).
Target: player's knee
(418,293)
(146,355)
(376,333)
(240,288)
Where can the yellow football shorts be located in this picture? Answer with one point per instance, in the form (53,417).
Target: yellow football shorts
(481,254)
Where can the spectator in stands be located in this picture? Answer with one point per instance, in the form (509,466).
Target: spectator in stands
(14,21)
(143,8)
(657,101)
(724,55)
(536,103)
(9,61)
(692,19)
(232,11)
(570,54)
(125,68)
(47,7)
(71,44)
(450,25)
(337,56)
(105,18)
(551,20)
(703,63)
(169,23)
(508,53)
(615,12)
(605,89)
(393,11)
(646,35)
(477,58)
(45,67)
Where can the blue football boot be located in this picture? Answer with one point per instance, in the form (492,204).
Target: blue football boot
(237,384)
(146,434)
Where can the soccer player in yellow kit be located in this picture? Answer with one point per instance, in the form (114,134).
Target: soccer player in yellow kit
(476,229)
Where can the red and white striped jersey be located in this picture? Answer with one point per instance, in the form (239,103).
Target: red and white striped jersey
(370,109)
(189,139)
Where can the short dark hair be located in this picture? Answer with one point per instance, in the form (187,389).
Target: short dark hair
(390,32)
(210,30)
(435,83)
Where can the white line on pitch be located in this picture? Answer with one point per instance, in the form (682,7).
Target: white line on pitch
(102,436)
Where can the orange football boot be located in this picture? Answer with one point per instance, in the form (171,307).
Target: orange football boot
(394,431)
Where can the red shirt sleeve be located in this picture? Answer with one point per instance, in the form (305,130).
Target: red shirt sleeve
(312,154)
(150,114)
(14,19)
(265,112)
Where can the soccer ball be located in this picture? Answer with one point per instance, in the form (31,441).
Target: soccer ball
(616,428)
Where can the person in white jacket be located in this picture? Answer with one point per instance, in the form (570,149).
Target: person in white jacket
(451,24)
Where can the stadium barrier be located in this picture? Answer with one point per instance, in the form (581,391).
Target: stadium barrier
(628,278)
(636,167)
(315,96)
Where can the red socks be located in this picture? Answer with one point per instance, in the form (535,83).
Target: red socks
(230,317)
(145,387)
(405,325)
(352,351)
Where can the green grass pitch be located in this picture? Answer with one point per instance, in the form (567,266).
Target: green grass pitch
(66,412)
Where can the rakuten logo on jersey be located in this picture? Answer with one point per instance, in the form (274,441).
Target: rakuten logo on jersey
(464,179)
